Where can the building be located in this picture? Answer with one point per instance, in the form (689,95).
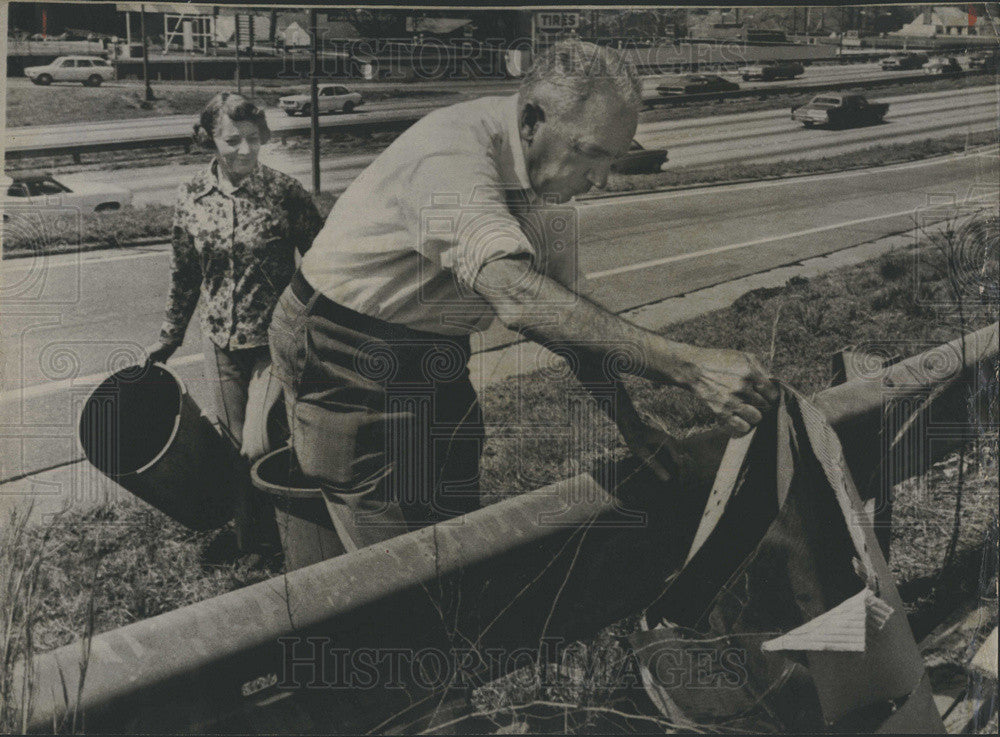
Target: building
(292,29)
(441,29)
(745,25)
(937,21)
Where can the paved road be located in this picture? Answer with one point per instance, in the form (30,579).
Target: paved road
(762,136)
(70,319)
(64,134)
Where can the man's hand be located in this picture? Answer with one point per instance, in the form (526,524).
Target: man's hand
(734,384)
(160,352)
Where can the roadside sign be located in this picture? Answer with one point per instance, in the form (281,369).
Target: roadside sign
(556,21)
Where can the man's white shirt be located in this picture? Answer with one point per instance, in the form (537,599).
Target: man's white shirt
(406,241)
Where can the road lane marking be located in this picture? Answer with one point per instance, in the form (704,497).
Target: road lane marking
(71,259)
(38,390)
(51,387)
(736,246)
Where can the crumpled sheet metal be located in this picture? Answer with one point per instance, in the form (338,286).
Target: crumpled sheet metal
(785,617)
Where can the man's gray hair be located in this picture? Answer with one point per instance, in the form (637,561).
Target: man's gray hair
(573,70)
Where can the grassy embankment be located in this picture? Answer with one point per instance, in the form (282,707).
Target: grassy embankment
(108,566)
(62,103)
(38,106)
(58,104)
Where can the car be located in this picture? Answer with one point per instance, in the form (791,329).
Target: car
(37,189)
(987,61)
(772,70)
(695,84)
(839,110)
(333,98)
(90,70)
(943,65)
(900,62)
(640,160)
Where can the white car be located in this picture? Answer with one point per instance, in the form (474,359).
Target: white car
(37,189)
(333,98)
(90,70)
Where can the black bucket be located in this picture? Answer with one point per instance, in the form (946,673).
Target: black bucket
(307,533)
(143,430)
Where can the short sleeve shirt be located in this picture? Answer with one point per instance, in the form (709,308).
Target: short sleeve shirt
(408,238)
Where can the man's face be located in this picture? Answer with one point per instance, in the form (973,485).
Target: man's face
(567,156)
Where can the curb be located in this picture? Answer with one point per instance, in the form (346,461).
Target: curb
(161,240)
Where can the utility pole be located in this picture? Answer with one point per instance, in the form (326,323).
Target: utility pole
(251,55)
(145,53)
(314,96)
(239,87)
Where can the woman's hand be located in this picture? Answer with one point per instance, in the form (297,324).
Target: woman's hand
(160,352)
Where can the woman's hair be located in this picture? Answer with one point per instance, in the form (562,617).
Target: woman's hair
(237,108)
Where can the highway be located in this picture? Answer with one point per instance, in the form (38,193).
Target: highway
(764,136)
(70,319)
(174,125)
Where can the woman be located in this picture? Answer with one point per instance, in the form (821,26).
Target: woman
(236,228)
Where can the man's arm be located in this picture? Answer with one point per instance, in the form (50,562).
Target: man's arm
(732,383)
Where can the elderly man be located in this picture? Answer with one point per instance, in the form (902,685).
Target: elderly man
(450,226)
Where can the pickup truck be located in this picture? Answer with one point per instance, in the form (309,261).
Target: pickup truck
(772,70)
(839,110)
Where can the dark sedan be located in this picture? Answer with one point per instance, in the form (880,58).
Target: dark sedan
(640,160)
(901,62)
(696,84)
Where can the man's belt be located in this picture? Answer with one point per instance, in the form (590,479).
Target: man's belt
(382,329)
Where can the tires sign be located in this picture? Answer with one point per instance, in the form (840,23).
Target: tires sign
(556,21)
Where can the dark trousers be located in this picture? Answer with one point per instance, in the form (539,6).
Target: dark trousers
(246,397)
(383,417)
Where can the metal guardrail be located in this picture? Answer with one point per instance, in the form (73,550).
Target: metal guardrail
(397,122)
(546,567)
(405,119)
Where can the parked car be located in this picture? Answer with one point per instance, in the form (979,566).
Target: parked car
(333,98)
(694,84)
(988,61)
(900,62)
(90,70)
(943,65)
(36,189)
(639,160)
(839,110)
(772,70)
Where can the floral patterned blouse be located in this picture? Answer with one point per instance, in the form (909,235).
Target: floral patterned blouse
(237,250)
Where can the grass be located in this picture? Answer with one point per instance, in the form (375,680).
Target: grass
(62,103)
(31,234)
(137,563)
(872,156)
(36,106)
(107,566)
(681,111)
